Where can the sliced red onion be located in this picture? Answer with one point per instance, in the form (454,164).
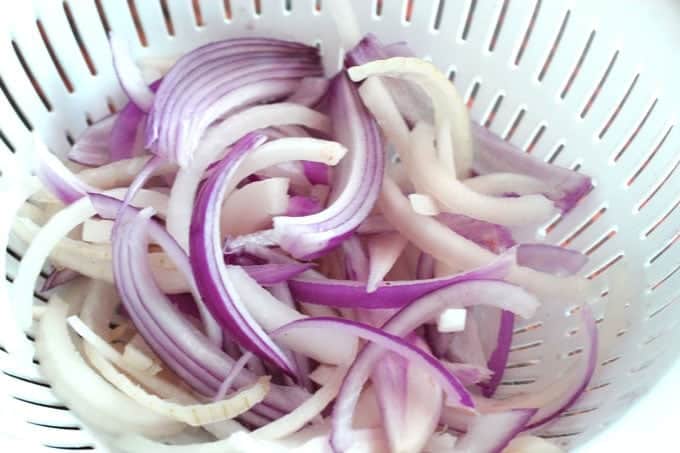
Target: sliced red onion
(191,355)
(496,155)
(341,437)
(375,224)
(466,293)
(212,279)
(129,74)
(491,433)
(551,259)
(251,207)
(561,394)
(92,146)
(390,294)
(126,140)
(217,79)
(310,91)
(58,179)
(357,179)
(299,205)
(383,252)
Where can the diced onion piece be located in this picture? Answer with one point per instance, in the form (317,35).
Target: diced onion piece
(452,320)
(251,208)
(97,231)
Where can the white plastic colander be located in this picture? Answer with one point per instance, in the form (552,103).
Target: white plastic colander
(588,85)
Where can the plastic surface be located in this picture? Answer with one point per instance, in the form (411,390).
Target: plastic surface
(587,85)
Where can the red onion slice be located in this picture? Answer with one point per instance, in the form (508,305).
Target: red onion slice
(357,179)
(129,74)
(92,146)
(389,294)
(551,259)
(491,433)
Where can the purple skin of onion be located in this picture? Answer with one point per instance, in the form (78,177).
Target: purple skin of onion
(389,294)
(495,155)
(498,359)
(496,238)
(212,279)
(358,179)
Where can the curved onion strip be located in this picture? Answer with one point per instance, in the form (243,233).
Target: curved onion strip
(121,173)
(561,394)
(428,176)
(491,433)
(563,186)
(497,347)
(15,188)
(251,207)
(309,92)
(445,245)
(82,389)
(357,179)
(193,414)
(302,206)
(212,147)
(391,294)
(551,259)
(451,115)
(200,363)
(531,444)
(272,314)
(129,74)
(306,412)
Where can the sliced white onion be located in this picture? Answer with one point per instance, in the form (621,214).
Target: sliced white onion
(423,204)
(505,183)
(97,231)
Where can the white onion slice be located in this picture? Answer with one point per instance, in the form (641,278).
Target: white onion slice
(383,252)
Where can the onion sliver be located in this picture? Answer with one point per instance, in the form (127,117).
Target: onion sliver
(129,74)
(427,175)
(305,413)
(252,207)
(357,179)
(82,389)
(451,114)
